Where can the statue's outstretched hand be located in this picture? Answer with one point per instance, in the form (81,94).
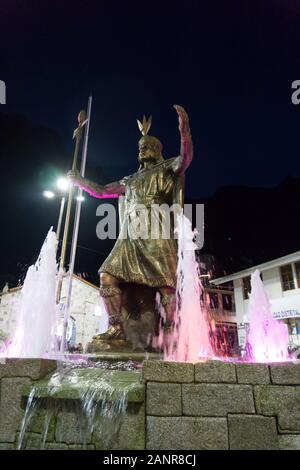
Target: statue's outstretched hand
(74,177)
(183,119)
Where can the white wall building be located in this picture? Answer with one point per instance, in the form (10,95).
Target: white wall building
(85,308)
(281,278)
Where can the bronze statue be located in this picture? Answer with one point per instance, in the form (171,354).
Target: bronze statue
(147,262)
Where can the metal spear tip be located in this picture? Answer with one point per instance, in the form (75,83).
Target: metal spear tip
(81,117)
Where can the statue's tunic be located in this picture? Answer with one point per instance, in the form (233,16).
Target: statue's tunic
(142,259)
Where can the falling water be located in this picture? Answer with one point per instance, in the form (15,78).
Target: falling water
(189,340)
(99,404)
(267,338)
(35,334)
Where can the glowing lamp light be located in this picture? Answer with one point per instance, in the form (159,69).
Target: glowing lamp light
(80,198)
(48,194)
(63,184)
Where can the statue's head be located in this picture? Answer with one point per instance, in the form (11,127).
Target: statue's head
(150,148)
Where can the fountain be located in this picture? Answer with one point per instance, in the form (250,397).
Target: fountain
(87,404)
(186,401)
(99,391)
(190,340)
(36,330)
(99,404)
(267,338)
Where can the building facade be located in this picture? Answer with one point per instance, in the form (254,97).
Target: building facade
(89,318)
(281,279)
(221,315)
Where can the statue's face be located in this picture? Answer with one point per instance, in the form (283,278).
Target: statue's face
(147,151)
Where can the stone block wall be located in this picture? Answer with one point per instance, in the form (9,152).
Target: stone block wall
(64,412)
(205,406)
(15,374)
(66,431)
(216,405)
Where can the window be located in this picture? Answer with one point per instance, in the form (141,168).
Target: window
(287,279)
(246,283)
(227,302)
(297,268)
(213,300)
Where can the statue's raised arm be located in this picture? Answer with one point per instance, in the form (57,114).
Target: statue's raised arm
(186,149)
(110,190)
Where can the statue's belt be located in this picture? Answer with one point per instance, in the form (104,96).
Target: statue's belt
(137,206)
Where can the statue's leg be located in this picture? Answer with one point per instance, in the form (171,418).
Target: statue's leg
(168,301)
(112,299)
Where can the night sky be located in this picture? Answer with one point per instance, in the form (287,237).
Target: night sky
(229,63)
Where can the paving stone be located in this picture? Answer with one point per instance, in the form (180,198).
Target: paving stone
(32,368)
(215,372)
(11,413)
(253,373)
(281,401)
(163,399)
(289,442)
(186,433)
(216,399)
(174,372)
(252,432)
(288,374)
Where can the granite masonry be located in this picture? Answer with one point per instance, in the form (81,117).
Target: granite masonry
(205,406)
(218,405)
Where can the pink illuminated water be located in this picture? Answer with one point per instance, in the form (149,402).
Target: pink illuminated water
(189,341)
(267,338)
(35,334)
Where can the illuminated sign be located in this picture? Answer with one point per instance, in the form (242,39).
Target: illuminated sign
(286,307)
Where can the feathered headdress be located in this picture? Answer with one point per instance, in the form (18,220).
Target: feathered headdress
(144,126)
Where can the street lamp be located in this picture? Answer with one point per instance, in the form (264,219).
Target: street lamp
(48,194)
(63,185)
(51,195)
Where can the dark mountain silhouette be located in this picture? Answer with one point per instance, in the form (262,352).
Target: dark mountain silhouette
(245,226)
